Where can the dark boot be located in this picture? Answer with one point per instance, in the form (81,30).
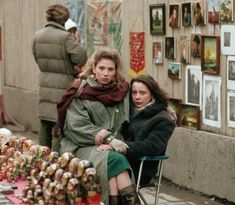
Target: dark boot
(113,200)
(129,196)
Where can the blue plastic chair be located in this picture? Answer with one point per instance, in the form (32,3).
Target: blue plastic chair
(159,174)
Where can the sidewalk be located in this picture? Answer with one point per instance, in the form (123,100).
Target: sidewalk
(170,194)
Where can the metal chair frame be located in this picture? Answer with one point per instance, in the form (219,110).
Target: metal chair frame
(159,173)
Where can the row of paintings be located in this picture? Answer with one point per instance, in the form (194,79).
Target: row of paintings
(203,92)
(189,14)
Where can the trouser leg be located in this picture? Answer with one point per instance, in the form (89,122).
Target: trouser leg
(45,133)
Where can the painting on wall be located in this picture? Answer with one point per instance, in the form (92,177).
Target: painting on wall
(157,19)
(0,43)
(158,52)
(193,85)
(213,11)
(184,49)
(211,112)
(231,109)
(226,10)
(231,72)
(210,59)
(186,14)
(104,25)
(170,48)
(196,45)
(199,14)
(174,70)
(175,104)
(190,116)
(227,39)
(174,17)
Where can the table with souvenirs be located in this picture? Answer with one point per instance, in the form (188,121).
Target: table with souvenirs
(33,174)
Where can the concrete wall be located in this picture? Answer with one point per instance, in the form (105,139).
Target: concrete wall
(202,161)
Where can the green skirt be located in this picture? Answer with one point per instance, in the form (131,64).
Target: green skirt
(117,163)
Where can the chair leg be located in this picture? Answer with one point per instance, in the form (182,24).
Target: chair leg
(159,182)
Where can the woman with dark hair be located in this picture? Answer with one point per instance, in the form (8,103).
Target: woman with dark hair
(150,125)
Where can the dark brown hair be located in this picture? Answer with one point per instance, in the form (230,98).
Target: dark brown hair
(158,94)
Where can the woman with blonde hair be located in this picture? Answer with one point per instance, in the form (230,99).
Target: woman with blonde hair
(93,122)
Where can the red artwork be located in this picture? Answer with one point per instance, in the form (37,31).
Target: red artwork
(137,63)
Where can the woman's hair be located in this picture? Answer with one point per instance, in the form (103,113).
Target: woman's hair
(158,94)
(104,53)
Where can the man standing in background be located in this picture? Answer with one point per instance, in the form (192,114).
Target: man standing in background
(57,53)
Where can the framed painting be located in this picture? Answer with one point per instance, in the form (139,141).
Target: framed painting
(193,85)
(231,109)
(190,116)
(174,17)
(231,72)
(170,48)
(213,11)
(186,14)
(0,42)
(174,70)
(184,49)
(227,43)
(158,52)
(199,13)
(210,59)
(226,11)
(211,108)
(196,45)
(157,19)
(175,104)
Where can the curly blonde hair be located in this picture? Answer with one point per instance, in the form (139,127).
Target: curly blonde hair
(104,53)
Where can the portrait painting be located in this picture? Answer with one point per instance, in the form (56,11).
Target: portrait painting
(184,49)
(231,109)
(196,45)
(231,72)
(226,10)
(190,116)
(227,39)
(186,14)
(174,70)
(0,43)
(174,18)
(193,85)
(157,52)
(170,47)
(157,19)
(211,110)
(213,11)
(175,104)
(199,13)
(210,59)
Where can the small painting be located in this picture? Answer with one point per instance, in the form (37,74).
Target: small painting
(157,52)
(213,11)
(184,49)
(176,105)
(210,58)
(199,13)
(227,39)
(170,48)
(231,109)
(190,116)
(174,18)
(186,14)
(196,45)
(231,72)
(193,85)
(174,70)
(157,19)
(226,11)
(211,111)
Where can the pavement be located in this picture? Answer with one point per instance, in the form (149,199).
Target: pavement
(170,193)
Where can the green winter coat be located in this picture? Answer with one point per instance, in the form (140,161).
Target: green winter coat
(84,119)
(56,52)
